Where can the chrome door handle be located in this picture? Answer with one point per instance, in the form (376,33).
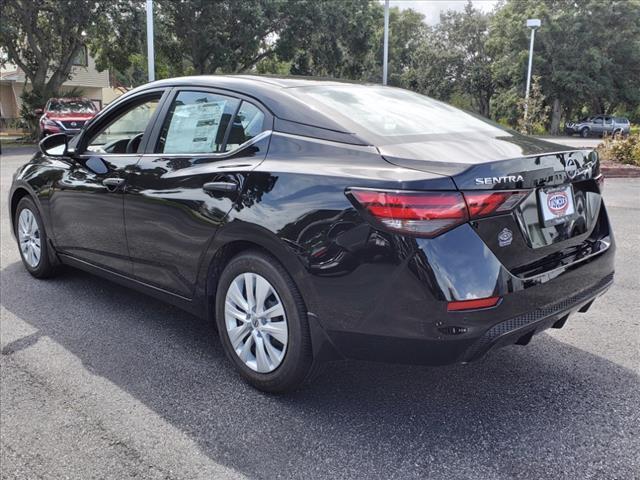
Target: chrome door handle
(225,187)
(113,182)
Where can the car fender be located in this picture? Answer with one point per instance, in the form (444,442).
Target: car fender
(237,231)
(18,185)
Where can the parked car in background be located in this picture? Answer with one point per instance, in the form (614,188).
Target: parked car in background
(66,115)
(599,125)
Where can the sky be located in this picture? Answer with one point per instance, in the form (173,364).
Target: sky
(431,8)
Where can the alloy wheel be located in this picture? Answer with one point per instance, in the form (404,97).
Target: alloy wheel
(256,322)
(29,238)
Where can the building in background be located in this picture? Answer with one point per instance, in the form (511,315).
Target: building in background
(92,84)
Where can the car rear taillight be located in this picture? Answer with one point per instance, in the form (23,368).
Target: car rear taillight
(483,204)
(421,213)
(430,213)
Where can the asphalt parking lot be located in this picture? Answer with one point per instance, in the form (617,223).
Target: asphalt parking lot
(101,382)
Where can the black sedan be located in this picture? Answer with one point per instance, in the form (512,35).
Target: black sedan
(318,220)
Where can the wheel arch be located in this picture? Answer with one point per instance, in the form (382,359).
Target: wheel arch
(237,237)
(18,194)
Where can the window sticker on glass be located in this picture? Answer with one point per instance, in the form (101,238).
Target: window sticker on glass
(197,123)
(194,127)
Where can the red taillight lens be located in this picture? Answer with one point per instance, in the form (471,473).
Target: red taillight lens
(483,204)
(473,304)
(430,213)
(421,213)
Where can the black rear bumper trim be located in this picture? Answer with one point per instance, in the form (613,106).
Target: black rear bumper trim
(558,309)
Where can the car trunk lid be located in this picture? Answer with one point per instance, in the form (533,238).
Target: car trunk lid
(558,219)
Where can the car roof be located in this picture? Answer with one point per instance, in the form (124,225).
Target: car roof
(271,91)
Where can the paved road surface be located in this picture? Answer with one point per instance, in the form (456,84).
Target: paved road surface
(574,142)
(102,382)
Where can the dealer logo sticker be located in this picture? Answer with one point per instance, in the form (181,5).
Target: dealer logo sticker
(505,237)
(558,202)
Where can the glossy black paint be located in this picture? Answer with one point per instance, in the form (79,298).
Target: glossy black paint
(169,228)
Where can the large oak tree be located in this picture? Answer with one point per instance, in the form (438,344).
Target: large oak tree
(43,37)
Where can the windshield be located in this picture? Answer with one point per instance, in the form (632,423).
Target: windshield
(393,112)
(71,106)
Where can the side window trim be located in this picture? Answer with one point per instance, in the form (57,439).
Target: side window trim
(117,110)
(230,125)
(161,113)
(163,110)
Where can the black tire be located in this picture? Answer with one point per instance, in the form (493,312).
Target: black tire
(296,363)
(584,133)
(44,268)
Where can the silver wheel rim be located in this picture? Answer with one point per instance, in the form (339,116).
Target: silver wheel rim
(29,238)
(256,322)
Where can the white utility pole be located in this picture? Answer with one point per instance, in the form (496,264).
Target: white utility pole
(533,24)
(150,54)
(386,42)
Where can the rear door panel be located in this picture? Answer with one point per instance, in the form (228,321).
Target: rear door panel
(170,219)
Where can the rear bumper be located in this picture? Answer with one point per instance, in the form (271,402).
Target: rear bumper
(468,346)
(520,329)
(399,314)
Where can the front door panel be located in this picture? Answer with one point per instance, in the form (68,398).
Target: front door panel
(87,212)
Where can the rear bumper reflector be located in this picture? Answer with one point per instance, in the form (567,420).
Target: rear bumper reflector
(474,304)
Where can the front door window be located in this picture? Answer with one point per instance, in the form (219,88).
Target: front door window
(124,133)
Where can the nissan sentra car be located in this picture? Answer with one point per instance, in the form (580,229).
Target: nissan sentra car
(317,220)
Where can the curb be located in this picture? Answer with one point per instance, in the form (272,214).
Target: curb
(620,171)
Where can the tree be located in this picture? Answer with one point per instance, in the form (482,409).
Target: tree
(587,53)
(537,111)
(42,38)
(330,38)
(119,45)
(407,33)
(453,59)
(205,36)
(432,68)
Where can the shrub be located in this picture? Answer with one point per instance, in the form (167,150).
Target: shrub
(621,150)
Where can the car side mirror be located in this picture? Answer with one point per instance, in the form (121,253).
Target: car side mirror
(54,145)
(38,111)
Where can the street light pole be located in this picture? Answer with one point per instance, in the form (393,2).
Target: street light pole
(533,24)
(386,42)
(150,54)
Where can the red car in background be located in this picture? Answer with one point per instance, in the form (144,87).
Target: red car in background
(66,115)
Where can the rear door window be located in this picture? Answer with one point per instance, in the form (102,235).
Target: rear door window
(197,122)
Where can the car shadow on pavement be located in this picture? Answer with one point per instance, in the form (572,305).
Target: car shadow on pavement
(546,410)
